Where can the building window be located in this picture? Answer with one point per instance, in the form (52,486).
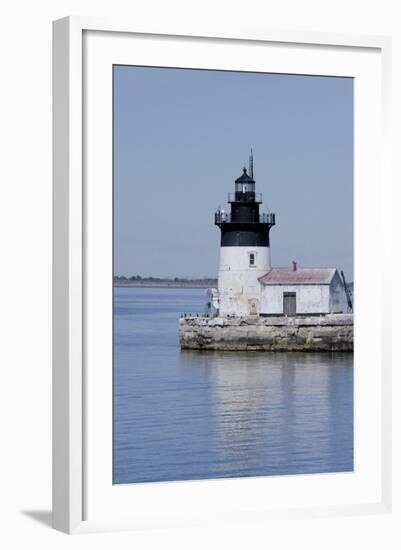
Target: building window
(252,259)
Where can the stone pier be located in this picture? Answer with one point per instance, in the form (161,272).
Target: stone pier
(334,332)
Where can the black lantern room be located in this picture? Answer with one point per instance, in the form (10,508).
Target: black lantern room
(244,225)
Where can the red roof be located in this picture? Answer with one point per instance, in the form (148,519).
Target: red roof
(302,276)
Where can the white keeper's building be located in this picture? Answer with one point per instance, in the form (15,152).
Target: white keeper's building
(302,291)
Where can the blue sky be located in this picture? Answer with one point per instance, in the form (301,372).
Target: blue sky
(181,138)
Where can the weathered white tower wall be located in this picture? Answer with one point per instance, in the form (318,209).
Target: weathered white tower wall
(238,285)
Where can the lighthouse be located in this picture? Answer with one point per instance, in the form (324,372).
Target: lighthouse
(244,248)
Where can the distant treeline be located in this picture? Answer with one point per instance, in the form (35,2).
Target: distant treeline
(138,280)
(203,282)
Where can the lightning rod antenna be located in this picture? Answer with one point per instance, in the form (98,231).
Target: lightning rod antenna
(251,164)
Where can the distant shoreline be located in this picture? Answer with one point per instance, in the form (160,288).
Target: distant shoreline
(171,283)
(167,283)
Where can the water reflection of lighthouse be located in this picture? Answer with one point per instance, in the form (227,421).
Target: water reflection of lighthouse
(272,413)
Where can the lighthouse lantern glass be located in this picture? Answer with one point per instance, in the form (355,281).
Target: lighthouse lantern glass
(245,187)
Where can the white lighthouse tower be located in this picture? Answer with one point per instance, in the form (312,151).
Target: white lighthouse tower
(244,248)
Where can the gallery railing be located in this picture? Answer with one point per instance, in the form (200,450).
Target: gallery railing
(225,217)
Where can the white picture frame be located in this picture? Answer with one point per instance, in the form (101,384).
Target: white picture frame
(73,424)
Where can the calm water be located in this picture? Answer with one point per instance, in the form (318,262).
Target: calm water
(192,415)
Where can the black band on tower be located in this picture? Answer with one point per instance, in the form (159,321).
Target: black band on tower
(239,235)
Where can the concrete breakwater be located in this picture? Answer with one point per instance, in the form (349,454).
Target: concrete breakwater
(333,332)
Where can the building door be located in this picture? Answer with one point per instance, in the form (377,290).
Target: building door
(290,303)
(253,307)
